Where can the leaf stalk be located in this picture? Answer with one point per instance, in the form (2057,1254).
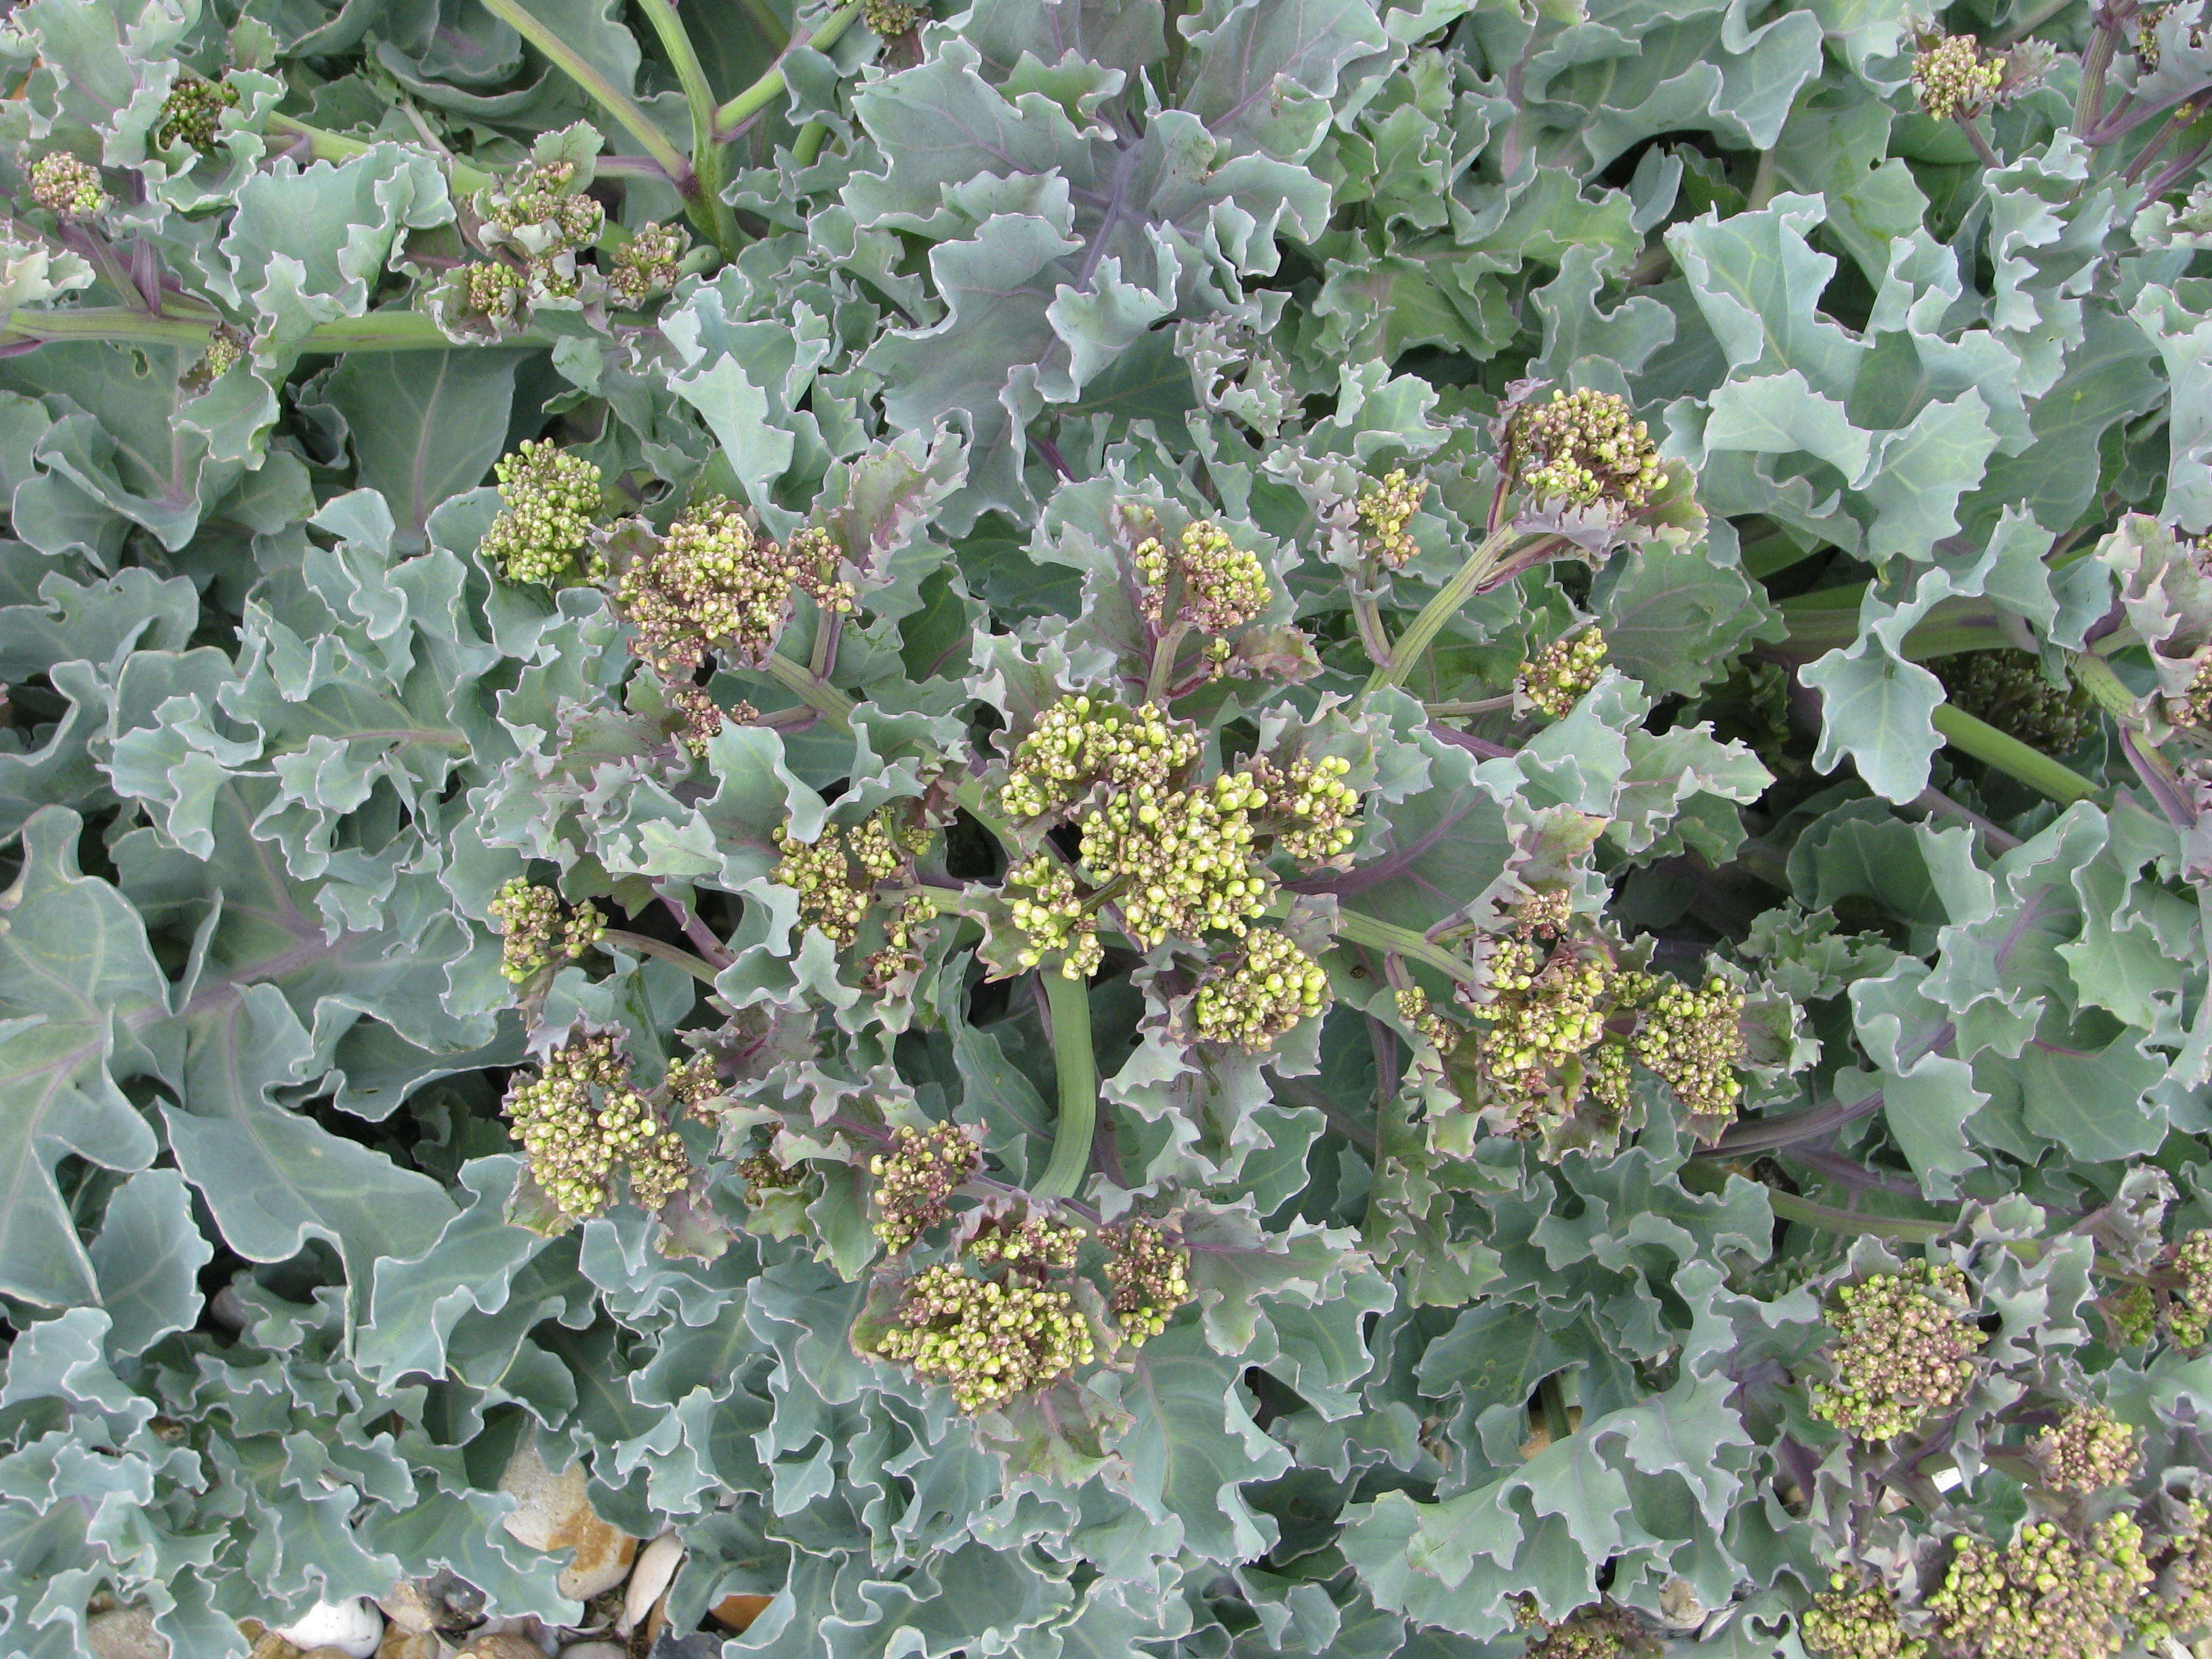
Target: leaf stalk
(1077,1067)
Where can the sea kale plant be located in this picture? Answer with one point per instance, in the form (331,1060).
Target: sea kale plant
(1216,827)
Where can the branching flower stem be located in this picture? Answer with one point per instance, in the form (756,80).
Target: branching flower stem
(675,955)
(336,147)
(1077,1069)
(379,330)
(1483,566)
(708,158)
(2009,755)
(731,119)
(2096,60)
(610,97)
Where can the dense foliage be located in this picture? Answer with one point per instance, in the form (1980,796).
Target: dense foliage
(1323,827)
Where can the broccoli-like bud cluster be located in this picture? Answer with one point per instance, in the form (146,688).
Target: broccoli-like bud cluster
(550,499)
(710,583)
(2046,1596)
(914,1180)
(1434,1028)
(1034,1242)
(2007,690)
(192,112)
(1552,913)
(699,717)
(1693,1040)
(1055,920)
(899,949)
(763,1172)
(1585,448)
(2194,706)
(1849,1621)
(1559,676)
(542,213)
(1952,78)
(226,350)
(1262,993)
(1540,1010)
(1904,1346)
(1386,510)
(535,936)
(1319,805)
(829,901)
(1150,1276)
(2183,1606)
(1185,859)
(1076,743)
(1598,1631)
(990,1339)
(2134,1313)
(2188,1312)
(645,265)
(68,187)
(892,18)
(1216,586)
(490,289)
(695,1085)
(580,1119)
(2087,1451)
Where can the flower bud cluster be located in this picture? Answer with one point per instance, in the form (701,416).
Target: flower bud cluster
(829,901)
(2046,1596)
(489,289)
(226,349)
(541,212)
(695,1087)
(528,918)
(1598,1631)
(1221,585)
(645,265)
(892,18)
(2194,706)
(1386,510)
(68,187)
(1952,78)
(1903,1346)
(1185,859)
(1055,922)
(917,1176)
(2008,690)
(550,499)
(2188,1312)
(901,951)
(580,1119)
(1849,1621)
(2183,1603)
(192,112)
(990,1339)
(1150,1276)
(1319,805)
(1433,1028)
(1541,1010)
(2088,1451)
(1076,743)
(1584,448)
(710,583)
(1260,994)
(763,1172)
(1033,1243)
(1694,1040)
(699,717)
(1560,675)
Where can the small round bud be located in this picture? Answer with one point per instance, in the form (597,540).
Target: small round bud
(550,499)
(1385,511)
(68,187)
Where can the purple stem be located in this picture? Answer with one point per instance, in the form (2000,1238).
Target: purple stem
(696,930)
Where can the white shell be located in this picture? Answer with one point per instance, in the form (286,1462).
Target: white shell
(595,1651)
(126,1633)
(553,1512)
(355,1626)
(656,1567)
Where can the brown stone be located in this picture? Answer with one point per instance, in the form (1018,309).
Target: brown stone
(553,1512)
(738,1612)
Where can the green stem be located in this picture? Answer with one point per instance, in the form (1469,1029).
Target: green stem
(610,97)
(771,86)
(1077,1069)
(1551,1395)
(2089,102)
(1164,656)
(806,148)
(2106,688)
(810,689)
(708,160)
(380,330)
(1772,553)
(640,945)
(2009,755)
(1829,1220)
(1357,927)
(1461,710)
(334,147)
(1481,565)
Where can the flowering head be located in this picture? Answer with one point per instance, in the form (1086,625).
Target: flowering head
(67,187)
(1384,512)
(192,113)
(1584,448)
(550,498)
(1205,578)
(1904,1348)
(1560,675)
